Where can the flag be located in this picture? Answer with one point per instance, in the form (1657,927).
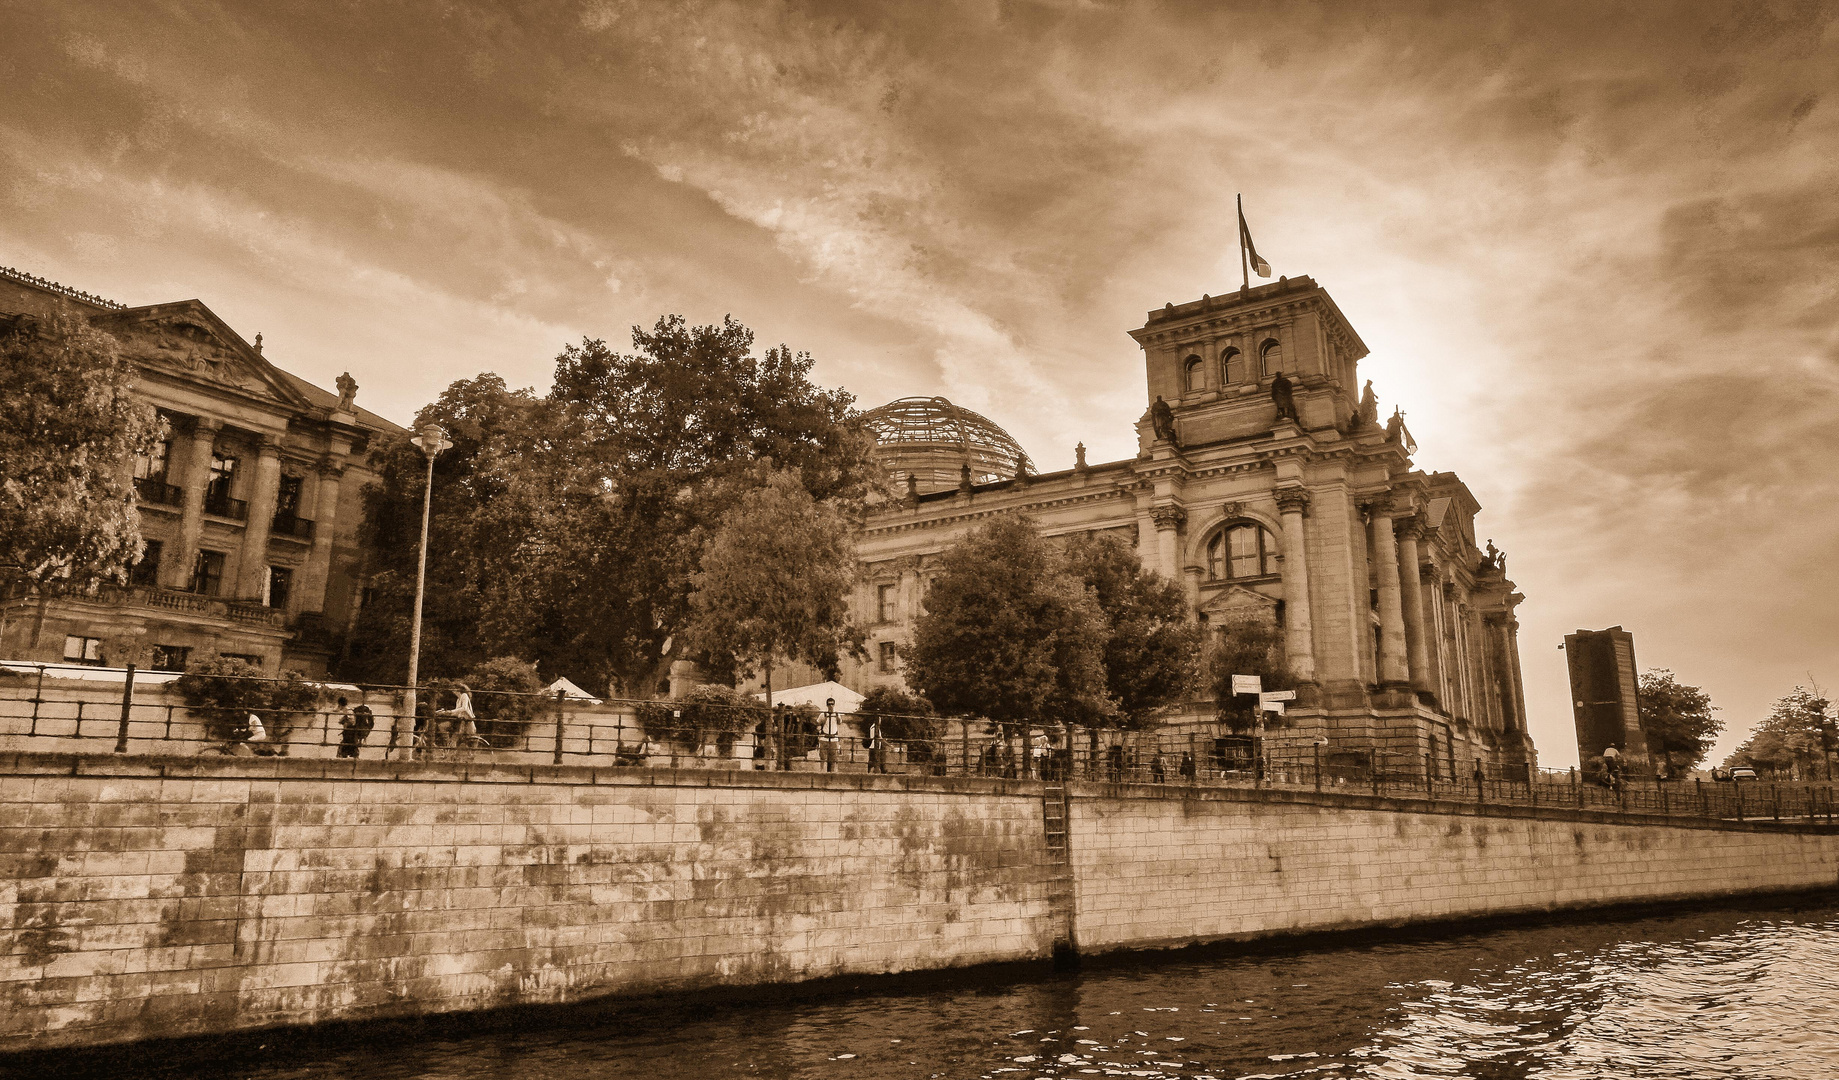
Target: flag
(1259,266)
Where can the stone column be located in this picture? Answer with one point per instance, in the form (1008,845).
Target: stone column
(252,566)
(1392,667)
(310,590)
(196,473)
(1411,590)
(1513,667)
(1299,626)
(1169,520)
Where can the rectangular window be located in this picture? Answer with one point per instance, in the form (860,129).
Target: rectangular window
(147,570)
(280,580)
(82,650)
(887,657)
(171,657)
(287,498)
(152,465)
(207,573)
(884,603)
(1245,561)
(223,476)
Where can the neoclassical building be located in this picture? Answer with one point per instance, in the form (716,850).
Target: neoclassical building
(250,503)
(1297,507)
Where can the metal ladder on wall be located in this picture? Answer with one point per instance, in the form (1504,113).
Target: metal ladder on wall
(1059,876)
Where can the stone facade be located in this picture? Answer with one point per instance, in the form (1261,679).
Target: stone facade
(250,506)
(1401,627)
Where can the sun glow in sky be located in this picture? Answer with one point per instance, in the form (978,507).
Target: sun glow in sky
(1593,247)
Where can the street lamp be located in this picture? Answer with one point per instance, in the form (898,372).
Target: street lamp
(432,441)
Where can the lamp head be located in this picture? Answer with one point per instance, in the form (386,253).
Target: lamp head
(432,440)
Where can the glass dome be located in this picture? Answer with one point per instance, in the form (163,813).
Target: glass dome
(931,439)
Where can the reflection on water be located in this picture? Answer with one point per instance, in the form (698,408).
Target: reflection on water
(1730,993)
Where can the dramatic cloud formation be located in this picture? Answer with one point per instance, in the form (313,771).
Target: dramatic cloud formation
(1595,248)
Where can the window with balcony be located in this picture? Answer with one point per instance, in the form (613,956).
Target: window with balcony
(287,497)
(280,583)
(151,468)
(217,490)
(82,650)
(207,573)
(147,570)
(171,657)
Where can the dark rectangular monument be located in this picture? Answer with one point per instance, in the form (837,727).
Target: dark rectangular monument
(1605,694)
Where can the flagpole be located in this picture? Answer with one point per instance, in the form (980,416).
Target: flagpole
(1245,267)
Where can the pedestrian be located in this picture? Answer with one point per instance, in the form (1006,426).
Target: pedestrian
(827,745)
(1156,771)
(363,723)
(459,718)
(1114,763)
(877,747)
(1187,765)
(348,730)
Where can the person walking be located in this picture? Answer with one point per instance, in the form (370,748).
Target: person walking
(877,747)
(348,730)
(827,745)
(363,723)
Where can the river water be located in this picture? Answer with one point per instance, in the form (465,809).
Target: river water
(1748,992)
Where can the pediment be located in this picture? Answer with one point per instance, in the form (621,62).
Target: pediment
(1236,602)
(188,340)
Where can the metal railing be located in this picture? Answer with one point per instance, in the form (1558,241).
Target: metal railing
(291,525)
(157,492)
(223,506)
(69,707)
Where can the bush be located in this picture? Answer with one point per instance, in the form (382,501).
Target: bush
(507,698)
(905,718)
(707,715)
(222,691)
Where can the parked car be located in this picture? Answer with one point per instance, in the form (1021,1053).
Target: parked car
(1743,772)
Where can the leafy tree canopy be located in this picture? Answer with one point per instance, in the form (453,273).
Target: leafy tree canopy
(774,581)
(1152,648)
(904,716)
(1009,634)
(1798,735)
(1252,646)
(566,528)
(1678,720)
(223,691)
(68,436)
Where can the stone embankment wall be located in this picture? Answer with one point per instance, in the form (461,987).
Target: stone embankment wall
(1234,864)
(146,896)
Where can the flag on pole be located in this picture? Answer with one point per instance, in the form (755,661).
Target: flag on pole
(1259,266)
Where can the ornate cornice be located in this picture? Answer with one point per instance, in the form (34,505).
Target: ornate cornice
(1292,500)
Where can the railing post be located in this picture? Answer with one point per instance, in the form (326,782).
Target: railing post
(1430,775)
(560,694)
(38,695)
(1738,791)
(1194,756)
(1317,747)
(127,704)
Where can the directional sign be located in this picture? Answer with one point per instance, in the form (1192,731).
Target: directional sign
(1247,684)
(1270,706)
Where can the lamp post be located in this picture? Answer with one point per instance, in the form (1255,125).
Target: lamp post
(432,441)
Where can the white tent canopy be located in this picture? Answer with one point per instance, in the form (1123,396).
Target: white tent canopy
(570,691)
(815,695)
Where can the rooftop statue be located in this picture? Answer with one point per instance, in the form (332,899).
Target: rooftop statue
(1163,419)
(1283,392)
(347,391)
(1369,405)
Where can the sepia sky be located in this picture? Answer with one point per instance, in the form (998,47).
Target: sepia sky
(1593,247)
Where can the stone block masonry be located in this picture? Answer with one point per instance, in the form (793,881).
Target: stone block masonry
(1160,871)
(142,897)
(147,897)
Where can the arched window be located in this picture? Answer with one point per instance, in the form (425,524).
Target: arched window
(1243,550)
(1272,356)
(1232,367)
(1196,374)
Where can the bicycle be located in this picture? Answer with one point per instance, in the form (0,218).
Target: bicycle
(461,748)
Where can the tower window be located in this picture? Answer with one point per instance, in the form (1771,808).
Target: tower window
(1196,374)
(884,603)
(1242,551)
(885,658)
(1232,367)
(1272,356)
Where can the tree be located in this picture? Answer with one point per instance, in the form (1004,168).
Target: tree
(1796,736)
(507,698)
(566,529)
(905,718)
(1250,646)
(69,434)
(774,582)
(223,691)
(1009,635)
(1152,647)
(707,715)
(1677,720)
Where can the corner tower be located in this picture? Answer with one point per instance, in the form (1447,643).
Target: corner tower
(1213,361)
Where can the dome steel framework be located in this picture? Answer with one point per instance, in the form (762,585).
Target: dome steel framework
(931,439)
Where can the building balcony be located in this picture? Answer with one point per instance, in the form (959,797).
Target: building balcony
(291,526)
(154,491)
(188,603)
(221,505)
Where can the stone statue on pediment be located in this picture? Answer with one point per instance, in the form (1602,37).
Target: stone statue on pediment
(1369,405)
(347,391)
